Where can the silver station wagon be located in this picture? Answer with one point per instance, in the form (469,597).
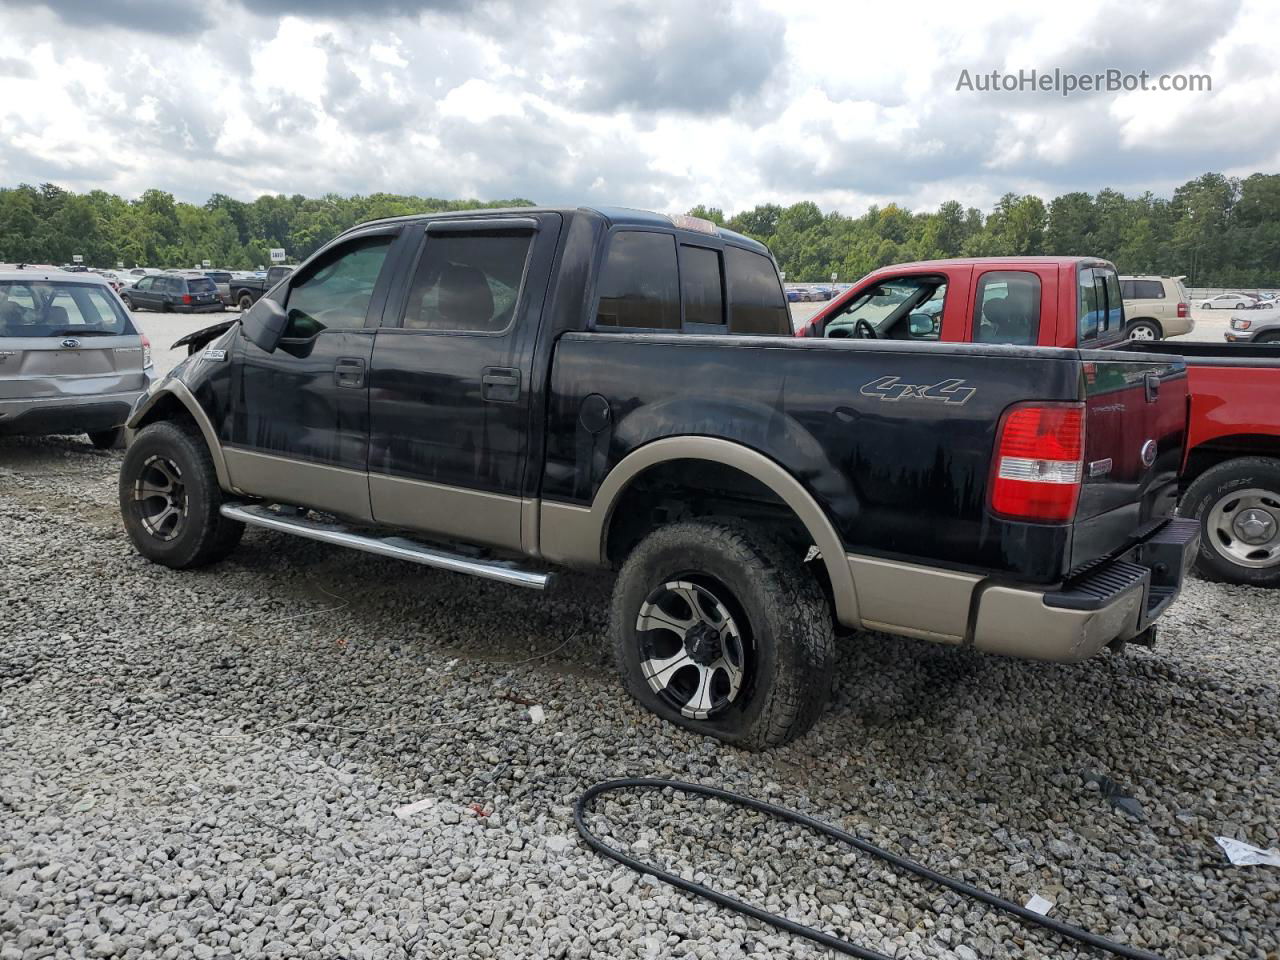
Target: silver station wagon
(71,360)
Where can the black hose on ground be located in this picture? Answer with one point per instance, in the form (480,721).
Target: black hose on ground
(799,929)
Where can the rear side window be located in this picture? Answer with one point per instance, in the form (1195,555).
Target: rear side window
(638,287)
(757,305)
(468,283)
(1007,308)
(1142,290)
(702,285)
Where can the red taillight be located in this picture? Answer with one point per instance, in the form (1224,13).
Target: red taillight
(1039,463)
(1183,311)
(186,298)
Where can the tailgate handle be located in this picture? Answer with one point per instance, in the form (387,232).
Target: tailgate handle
(1153,387)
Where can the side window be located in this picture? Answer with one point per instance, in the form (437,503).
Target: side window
(702,285)
(638,283)
(1115,302)
(1129,289)
(144,284)
(1006,308)
(335,291)
(467,283)
(757,306)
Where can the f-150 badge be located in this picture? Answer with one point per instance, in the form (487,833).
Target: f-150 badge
(891,390)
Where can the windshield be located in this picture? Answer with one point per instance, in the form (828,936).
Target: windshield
(47,308)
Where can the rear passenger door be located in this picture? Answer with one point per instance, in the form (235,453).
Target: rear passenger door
(449,396)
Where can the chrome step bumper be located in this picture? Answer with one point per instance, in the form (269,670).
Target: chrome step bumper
(398,548)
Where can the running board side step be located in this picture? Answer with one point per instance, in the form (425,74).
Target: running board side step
(399,548)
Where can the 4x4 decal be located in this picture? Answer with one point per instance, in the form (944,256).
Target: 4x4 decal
(891,389)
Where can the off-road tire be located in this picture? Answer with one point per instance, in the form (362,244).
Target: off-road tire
(789,644)
(207,536)
(245,302)
(1210,488)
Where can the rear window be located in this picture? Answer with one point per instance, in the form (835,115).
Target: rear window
(757,305)
(638,287)
(1101,307)
(51,309)
(201,285)
(219,277)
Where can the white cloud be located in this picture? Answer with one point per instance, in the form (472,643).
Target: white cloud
(661,104)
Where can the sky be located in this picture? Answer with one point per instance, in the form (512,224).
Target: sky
(661,104)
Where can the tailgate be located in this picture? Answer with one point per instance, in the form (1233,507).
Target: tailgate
(1135,430)
(56,366)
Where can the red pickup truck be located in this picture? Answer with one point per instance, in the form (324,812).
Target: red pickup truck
(1231,469)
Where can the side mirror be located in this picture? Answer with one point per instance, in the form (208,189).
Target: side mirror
(264,324)
(920,325)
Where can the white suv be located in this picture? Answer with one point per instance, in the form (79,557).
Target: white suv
(1155,307)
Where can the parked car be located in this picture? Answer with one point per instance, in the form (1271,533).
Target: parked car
(1155,308)
(1233,440)
(750,489)
(222,280)
(1229,301)
(1249,330)
(71,360)
(173,293)
(245,291)
(112,279)
(793,295)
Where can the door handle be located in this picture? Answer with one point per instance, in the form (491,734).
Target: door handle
(1153,387)
(349,372)
(500,384)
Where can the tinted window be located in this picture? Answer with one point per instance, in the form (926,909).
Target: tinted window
(334,293)
(219,277)
(1090,305)
(638,283)
(1129,289)
(756,302)
(173,285)
(467,282)
(202,285)
(702,285)
(1101,307)
(144,284)
(1142,290)
(1007,308)
(42,309)
(1115,302)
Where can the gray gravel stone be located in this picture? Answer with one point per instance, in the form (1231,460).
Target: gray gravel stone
(207,764)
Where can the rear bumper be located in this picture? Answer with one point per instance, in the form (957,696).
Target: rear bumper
(215,307)
(65,414)
(1118,600)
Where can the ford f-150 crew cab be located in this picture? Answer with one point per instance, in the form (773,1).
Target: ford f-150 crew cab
(1230,476)
(503,392)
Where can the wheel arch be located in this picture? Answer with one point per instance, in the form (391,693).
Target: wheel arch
(1221,450)
(581,535)
(1154,321)
(174,401)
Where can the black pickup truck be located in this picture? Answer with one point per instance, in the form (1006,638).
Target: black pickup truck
(244,292)
(499,393)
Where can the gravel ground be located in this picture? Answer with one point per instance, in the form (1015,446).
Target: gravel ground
(207,764)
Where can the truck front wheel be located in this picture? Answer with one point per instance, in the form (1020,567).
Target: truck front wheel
(718,627)
(169,499)
(1238,506)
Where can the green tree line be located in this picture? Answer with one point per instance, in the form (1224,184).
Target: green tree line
(47,224)
(1215,230)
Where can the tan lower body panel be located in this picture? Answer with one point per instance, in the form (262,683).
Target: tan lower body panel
(284,480)
(917,601)
(569,534)
(473,516)
(1017,623)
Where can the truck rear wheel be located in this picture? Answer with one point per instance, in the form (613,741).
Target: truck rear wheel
(169,499)
(245,302)
(1238,506)
(718,627)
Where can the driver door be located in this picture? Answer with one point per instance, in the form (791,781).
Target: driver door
(300,415)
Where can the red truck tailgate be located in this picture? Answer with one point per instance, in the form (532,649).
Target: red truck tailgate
(1135,432)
